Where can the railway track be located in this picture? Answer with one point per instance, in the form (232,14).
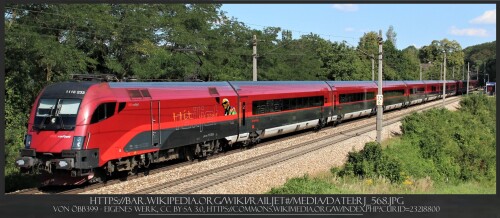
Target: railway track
(182,181)
(30,191)
(189,184)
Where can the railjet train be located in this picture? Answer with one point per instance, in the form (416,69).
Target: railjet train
(82,131)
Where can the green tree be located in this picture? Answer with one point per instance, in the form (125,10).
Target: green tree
(391,35)
(482,56)
(410,64)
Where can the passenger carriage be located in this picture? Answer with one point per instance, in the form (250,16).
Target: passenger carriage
(433,89)
(353,99)
(395,95)
(416,91)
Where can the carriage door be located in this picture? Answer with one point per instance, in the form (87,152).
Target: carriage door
(332,110)
(155,123)
(243,109)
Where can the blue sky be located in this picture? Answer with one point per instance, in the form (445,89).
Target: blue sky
(415,24)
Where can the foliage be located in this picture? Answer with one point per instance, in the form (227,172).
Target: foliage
(433,54)
(371,162)
(305,185)
(456,152)
(482,58)
(391,35)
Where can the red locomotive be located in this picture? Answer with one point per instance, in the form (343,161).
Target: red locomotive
(81,131)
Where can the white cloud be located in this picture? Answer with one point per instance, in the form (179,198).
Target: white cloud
(468,32)
(349,29)
(488,17)
(346,7)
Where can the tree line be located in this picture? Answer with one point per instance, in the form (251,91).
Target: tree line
(47,43)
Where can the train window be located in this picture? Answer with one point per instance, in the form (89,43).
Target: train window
(369,95)
(103,112)
(46,107)
(276,105)
(286,104)
(393,93)
(121,106)
(134,93)
(416,91)
(64,110)
(345,98)
(316,101)
(145,93)
(299,103)
(292,102)
(138,93)
(213,91)
(68,106)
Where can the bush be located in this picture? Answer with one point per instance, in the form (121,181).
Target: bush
(305,185)
(371,162)
(456,146)
(411,160)
(447,146)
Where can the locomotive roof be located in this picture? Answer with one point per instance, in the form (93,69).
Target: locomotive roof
(67,89)
(164,84)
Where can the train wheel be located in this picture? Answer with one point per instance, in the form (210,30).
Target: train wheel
(338,121)
(99,176)
(188,153)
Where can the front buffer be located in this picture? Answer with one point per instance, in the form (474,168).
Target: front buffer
(70,167)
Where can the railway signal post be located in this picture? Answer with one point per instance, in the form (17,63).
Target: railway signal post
(254,55)
(380,97)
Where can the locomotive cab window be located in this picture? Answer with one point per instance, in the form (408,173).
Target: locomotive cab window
(103,111)
(63,110)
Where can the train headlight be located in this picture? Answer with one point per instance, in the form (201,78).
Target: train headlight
(77,142)
(63,163)
(20,162)
(27,141)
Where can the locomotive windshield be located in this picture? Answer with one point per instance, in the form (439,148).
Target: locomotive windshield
(56,114)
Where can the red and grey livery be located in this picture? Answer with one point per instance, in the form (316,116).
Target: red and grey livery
(81,131)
